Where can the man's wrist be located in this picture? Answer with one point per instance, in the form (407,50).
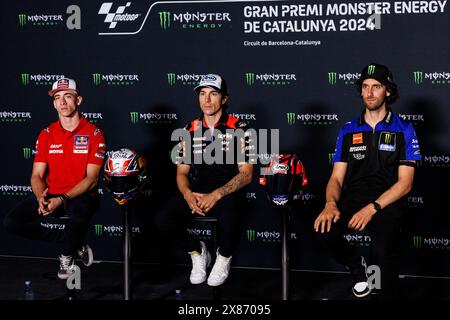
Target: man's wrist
(218,194)
(185,193)
(39,195)
(64,197)
(376,206)
(331,203)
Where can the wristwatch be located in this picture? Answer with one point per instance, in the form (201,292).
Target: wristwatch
(376,205)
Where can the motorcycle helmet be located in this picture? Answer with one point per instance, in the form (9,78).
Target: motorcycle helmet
(124,174)
(284,179)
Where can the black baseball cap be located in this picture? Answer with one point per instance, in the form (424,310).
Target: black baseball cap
(382,74)
(378,72)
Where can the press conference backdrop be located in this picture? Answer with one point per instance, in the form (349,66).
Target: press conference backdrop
(290,65)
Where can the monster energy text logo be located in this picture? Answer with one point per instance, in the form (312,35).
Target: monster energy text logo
(418,77)
(332,77)
(134,117)
(98,229)
(25,78)
(22,19)
(370,69)
(97,78)
(251,235)
(164,19)
(250,78)
(417,242)
(290,118)
(26,153)
(171,78)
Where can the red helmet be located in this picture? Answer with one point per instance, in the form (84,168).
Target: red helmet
(284,179)
(124,174)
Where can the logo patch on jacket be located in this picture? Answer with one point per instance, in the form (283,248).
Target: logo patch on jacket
(81,143)
(388,141)
(357,138)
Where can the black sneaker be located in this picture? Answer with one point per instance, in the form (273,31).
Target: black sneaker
(361,286)
(86,255)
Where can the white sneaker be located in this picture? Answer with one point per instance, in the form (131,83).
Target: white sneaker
(86,255)
(219,272)
(361,286)
(66,266)
(199,264)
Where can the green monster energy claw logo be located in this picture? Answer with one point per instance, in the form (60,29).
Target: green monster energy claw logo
(98,229)
(387,138)
(330,157)
(332,77)
(250,78)
(290,118)
(417,242)
(418,77)
(171,78)
(251,235)
(22,19)
(134,117)
(26,153)
(97,78)
(164,19)
(25,78)
(370,69)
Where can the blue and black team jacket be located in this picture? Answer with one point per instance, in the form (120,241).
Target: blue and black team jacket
(374,155)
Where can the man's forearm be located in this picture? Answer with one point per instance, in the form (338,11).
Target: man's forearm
(85,185)
(333,193)
(237,182)
(400,188)
(38,186)
(183,184)
(393,194)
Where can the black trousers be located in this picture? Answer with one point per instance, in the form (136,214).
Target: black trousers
(176,216)
(386,241)
(24,220)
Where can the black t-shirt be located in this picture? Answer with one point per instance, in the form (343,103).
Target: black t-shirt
(214,154)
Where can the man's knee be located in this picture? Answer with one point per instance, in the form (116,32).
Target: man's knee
(161,222)
(325,240)
(166,223)
(9,223)
(384,254)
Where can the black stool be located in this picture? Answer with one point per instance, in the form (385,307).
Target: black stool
(216,291)
(126,253)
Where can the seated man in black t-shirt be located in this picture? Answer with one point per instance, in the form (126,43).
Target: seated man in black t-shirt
(213,167)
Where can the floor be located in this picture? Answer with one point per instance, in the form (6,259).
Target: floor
(105,281)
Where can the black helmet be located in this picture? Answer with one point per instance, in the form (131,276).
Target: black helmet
(284,179)
(124,174)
